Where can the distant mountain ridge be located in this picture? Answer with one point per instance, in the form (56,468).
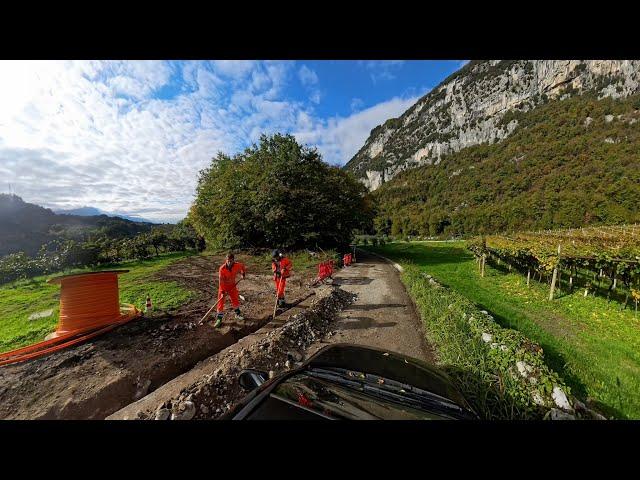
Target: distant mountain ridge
(26,227)
(93,211)
(478,105)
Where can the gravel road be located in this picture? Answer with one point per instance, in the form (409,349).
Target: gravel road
(383,315)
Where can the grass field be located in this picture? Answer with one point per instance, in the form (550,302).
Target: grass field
(593,345)
(18,300)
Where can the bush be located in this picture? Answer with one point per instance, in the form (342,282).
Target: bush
(278,193)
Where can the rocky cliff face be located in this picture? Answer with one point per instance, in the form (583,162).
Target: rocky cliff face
(473,106)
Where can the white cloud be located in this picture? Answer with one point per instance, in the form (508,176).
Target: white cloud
(234,68)
(88,133)
(376,64)
(381,69)
(309,79)
(307,76)
(315,97)
(131,137)
(356,104)
(340,138)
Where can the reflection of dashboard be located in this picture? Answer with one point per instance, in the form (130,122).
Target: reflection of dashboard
(279,408)
(348,382)
(314,397)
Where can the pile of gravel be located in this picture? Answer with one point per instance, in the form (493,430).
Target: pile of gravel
(275,352)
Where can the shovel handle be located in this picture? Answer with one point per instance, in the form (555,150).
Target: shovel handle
(216,304)
(275,307)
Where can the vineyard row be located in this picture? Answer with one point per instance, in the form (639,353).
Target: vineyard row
(586,261)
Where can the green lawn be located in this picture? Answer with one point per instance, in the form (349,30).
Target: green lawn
(593,345)
(18,300)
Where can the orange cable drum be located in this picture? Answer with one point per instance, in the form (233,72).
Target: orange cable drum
(89,306)
(87,300)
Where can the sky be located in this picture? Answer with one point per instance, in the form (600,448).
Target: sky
(130,137)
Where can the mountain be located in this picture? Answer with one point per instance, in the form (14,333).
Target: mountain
(93,211)
(82,211)
(565,163)
(481,104)
(25,226)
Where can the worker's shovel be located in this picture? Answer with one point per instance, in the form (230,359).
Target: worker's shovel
(206,315)
(275,307)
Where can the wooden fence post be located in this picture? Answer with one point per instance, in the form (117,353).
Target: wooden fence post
(528,276)
(555,276)
(484,260)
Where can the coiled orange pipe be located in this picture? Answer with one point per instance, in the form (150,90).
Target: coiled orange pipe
(87,300)
(89,306)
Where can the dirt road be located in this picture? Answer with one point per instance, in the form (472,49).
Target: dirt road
(383,315)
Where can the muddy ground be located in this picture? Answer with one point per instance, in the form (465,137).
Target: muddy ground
(95,379)
(365,305)
(211,388)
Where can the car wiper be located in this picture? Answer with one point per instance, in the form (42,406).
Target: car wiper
(434,406)
(391,389)
(389,384)
(334,377)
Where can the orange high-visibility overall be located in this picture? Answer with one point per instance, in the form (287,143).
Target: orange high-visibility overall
(227,285)
(284,267)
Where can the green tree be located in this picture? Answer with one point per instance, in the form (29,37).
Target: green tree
(158,239)
(278,193)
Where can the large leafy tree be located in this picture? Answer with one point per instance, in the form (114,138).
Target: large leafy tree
(278,193)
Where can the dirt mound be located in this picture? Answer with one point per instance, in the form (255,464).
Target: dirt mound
(212,388)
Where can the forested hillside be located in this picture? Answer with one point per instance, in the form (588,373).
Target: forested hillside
(569,163)
(25,227)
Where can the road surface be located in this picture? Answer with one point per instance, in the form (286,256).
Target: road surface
(383,315)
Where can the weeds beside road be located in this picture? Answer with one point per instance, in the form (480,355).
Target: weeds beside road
(591,344)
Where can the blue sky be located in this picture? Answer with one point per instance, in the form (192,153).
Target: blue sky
(131,136)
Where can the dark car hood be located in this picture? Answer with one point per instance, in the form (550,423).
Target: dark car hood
(354,382)
(390,365)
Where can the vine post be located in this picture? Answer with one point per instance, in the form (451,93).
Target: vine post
(484,255)
(555,276)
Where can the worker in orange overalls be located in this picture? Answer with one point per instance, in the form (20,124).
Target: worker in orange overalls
(281,267)
(227,286)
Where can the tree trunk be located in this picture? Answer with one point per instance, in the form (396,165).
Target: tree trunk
(626,300)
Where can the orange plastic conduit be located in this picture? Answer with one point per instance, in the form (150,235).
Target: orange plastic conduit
(89,306)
